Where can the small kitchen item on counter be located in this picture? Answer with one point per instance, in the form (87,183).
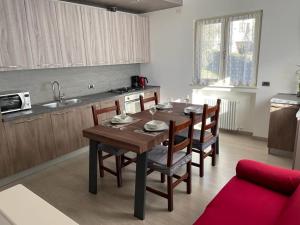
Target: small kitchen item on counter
(13,101)
(143,81)
(194,109)
(156,125)
(135,82)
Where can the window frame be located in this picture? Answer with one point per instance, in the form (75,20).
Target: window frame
(225,46)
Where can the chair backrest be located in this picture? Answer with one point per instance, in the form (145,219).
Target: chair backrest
(211,113)
(97,112)
(150,99)
(186,143)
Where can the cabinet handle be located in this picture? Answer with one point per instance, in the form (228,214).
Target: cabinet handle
(7,67)
(29,120)
(65,112)
(59,113)
(77,64)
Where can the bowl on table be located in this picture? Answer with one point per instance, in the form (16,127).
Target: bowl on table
(156,125)
(194,109)
(121,119)
(164,106)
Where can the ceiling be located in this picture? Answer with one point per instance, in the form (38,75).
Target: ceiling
(136,6)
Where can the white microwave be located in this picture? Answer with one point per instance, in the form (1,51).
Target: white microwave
(13,101)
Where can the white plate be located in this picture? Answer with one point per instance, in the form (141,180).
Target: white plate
(195,109)
(156,125)
(119,120)
(164,106)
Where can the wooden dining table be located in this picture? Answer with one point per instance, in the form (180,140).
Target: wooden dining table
(132,137)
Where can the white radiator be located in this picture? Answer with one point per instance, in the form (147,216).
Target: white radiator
(228,113)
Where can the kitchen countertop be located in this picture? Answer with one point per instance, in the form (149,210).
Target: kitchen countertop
(290,99)
(87,99)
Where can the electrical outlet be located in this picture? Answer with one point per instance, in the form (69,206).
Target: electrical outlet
(91,86)
(265,83)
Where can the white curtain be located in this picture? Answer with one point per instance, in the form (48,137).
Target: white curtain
(208,50)
(242,49)
(226,50)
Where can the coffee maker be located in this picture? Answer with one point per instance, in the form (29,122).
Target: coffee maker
(135,80)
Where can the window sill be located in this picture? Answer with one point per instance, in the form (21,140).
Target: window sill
(225,88)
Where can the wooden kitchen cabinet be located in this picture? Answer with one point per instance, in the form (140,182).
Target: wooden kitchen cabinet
(96,39)
(67,129)
(282,127)
(5,157)
(86,121)
(30,141)
(43,33)
(140,31)
(15,50)
(70,30)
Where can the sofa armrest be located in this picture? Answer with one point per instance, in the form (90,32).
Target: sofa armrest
(278,179)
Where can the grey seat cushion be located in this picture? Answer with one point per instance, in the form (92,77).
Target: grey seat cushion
(158,157)
(196,139)
(111,150)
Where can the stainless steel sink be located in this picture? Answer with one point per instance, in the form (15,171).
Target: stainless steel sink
(64,103)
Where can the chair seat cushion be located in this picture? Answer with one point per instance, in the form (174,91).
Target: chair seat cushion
(244,203)
(158,157)
(111,150)
(196,139)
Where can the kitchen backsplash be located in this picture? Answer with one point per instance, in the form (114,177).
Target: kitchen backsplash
(74,81)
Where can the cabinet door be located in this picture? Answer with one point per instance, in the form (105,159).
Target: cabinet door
(126,36)
(15,51)
(145,39)
(115,36)
(30,141)
(6,168)
(67,130)
(95,26)
(140,39)
(282,127)
(86,121)
(43,33)
(70,33)
(137,39)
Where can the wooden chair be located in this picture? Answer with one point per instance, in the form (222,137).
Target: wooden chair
(206,137)
(146,100)
(111,151)
(169,159)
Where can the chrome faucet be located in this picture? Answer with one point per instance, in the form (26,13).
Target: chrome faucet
(60,96)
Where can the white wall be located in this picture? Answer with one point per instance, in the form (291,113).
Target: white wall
(171,34)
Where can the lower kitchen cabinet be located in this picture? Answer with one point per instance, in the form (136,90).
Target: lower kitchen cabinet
(282,127)
(67,130)
(86,121)
(5,157)
(30,141)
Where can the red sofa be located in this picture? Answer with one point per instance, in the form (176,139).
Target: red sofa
(259,194)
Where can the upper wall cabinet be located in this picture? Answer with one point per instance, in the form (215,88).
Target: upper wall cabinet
(43,33)
(96,39)
(51,34)
(71,33)
(140,32)
(15,52)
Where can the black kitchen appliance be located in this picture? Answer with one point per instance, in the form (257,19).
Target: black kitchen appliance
(135,82)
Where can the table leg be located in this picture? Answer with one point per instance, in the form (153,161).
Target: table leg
(140,185)
(93,167)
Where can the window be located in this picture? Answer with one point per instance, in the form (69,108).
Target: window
(226,50)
